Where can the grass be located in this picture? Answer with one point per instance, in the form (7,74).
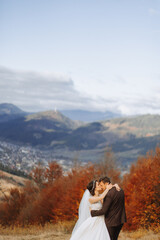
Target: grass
(139,234)
(50,231)
(9,181)
(62,231)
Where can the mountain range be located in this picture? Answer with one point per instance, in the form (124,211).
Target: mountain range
(129,137)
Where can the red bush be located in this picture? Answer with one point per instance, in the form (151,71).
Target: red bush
(142,190)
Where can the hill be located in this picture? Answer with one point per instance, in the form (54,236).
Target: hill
(7,108)
(38,129)
(140,126)
(10,112)
(8,181)
(129,137)
(55,116)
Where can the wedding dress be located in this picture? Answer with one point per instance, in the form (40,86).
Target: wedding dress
(93,228)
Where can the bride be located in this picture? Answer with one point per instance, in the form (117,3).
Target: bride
(87,227)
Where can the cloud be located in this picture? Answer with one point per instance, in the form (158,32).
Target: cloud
(34,91)
(153,12)
(138,105)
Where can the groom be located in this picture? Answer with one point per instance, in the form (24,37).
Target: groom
(113,209)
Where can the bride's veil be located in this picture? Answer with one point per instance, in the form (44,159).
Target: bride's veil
(83,212)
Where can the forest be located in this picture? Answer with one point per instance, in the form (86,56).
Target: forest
(52,195)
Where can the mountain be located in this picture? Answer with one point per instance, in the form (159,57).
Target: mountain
(54,116)
(7,108)
(129,137)
(89,116)
(38,129)
(140,126)
(10,112)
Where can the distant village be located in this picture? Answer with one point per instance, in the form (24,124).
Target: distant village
(26,158)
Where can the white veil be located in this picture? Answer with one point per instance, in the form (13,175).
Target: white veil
(83,212)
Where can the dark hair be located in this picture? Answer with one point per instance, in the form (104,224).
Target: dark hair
(105,179)
(91,187)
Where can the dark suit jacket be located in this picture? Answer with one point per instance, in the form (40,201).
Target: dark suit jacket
(113,208)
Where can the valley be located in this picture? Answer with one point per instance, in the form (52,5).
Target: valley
(29,138)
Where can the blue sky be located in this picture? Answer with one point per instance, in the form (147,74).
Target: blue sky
(84,54)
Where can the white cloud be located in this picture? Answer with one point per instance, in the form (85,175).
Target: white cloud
(140,105)
(37,91)
(33,91)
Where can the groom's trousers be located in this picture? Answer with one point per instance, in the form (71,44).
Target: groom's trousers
(114,231)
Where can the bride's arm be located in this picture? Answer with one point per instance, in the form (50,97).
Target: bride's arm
(102,196)
(98,198)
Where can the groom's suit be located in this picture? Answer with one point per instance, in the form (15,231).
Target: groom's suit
(114,211)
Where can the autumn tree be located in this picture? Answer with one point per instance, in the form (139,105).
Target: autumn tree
(53,172)
(109,166)
(50,195)
(38,175)
(60,200)
(142,190)
(10,209)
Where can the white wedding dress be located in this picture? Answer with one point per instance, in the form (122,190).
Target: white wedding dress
(93,228)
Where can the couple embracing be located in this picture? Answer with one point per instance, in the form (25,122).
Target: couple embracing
(101,216)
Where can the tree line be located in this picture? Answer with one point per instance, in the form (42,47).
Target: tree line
(53,195)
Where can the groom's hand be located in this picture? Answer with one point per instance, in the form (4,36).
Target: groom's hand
(117,187)
(109,186)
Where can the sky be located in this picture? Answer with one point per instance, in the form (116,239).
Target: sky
(81,54)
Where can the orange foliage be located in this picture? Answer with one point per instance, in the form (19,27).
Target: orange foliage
(142,190)
(10,209)
(53,172)
(54,196)
(38,175)
(60,200)
(51,197)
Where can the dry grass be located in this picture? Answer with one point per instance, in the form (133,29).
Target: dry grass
(57,231)
(140,234)
(9,181)
(17,179)
(62,231)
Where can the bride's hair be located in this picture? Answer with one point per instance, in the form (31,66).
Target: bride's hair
(91,187)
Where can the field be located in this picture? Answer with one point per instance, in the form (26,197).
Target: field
(61,232)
